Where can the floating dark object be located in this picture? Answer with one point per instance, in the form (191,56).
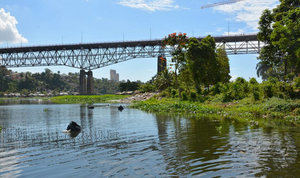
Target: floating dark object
(73,134)
(91,107)
(73,127)
(120,108)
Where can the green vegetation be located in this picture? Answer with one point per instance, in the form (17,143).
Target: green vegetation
(272,111)
(48,82)
(200,85)
(129,86)
(279,29)
(86,99)
(262,103)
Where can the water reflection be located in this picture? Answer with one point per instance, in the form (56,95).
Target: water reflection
(134,143)
(183,141)
(8,101)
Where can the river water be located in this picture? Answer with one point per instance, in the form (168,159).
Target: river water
(134,143)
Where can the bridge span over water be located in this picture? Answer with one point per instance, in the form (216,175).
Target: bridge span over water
(90,56)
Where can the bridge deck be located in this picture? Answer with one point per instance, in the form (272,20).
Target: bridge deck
(91,56)
(218,39)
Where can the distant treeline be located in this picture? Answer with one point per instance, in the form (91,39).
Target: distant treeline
(48,81)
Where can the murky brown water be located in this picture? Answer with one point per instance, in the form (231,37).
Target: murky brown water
(134,143)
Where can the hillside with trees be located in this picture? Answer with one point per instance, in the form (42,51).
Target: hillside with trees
(52,83)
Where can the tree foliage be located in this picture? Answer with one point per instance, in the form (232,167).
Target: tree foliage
(223,66)
(198,64)
(207,65)
(279,29)
(129,86)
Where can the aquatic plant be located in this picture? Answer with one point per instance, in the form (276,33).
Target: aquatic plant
(86,99)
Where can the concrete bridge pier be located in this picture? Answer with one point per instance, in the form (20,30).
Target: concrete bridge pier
(90,83)
(86,85)
(161,64)
(82,83)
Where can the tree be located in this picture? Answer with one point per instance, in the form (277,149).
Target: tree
(164,80)
(129,86)
(3,78)
(279,29)
(202,61)
(28,82)
(223,66)
(178,42)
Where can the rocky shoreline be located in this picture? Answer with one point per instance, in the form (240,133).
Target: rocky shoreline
(136,97)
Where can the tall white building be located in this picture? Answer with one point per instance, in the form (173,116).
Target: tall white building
(114,76)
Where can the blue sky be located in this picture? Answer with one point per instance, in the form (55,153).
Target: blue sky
(39,22)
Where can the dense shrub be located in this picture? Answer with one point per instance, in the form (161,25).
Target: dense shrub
(228,96)
(217,88)
(240,89)
(297,83)
(236,90)
(253,81)
(173,93)
(184,96)
(256,92)
(193,96)
(147,87)
(268,89)
(164,93)
(280,105)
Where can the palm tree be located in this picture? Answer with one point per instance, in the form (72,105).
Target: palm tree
(262,70)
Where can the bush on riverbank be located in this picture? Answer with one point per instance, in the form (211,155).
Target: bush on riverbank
(271,109)
(271,100)
(237,90)
(241,89)
(86,99)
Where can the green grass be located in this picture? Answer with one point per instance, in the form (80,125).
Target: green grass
(2,99)
(86,99)
(268,112)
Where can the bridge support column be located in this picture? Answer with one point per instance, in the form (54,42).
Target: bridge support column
(161,64)
(82,83)
(90,83)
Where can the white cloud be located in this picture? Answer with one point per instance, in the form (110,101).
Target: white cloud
(8,30)
(150,5)
(248,11)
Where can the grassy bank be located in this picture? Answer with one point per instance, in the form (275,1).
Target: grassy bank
(283,112)
(83,99)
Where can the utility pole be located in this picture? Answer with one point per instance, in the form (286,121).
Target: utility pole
(150,33)
(228,28)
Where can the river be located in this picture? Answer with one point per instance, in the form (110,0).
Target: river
(135,143)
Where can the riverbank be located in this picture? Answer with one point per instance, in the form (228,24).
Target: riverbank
(86,99)
(284,112)
(136,97)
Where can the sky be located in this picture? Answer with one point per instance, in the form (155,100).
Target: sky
(43,22)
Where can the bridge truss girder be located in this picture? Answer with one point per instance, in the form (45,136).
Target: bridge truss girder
(93,58)
(87,59)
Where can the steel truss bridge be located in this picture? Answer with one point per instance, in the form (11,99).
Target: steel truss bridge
(91,56)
